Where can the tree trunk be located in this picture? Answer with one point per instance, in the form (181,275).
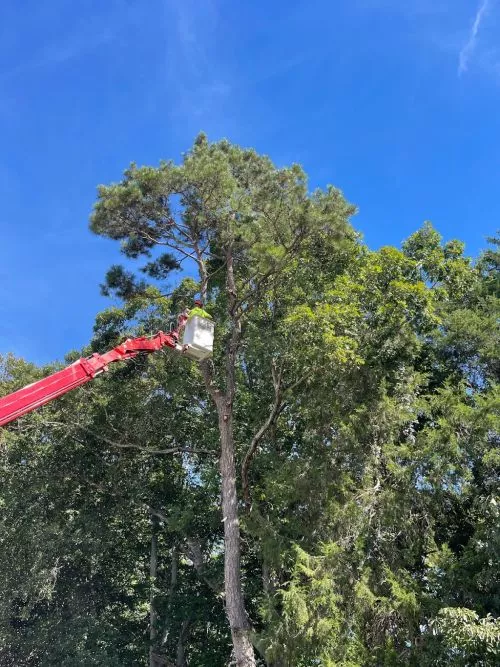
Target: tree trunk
(153,565)
(180,660)
(235,606)
(174,569)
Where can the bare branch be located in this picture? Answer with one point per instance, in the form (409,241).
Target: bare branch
(193,551)
(195,554)
(202,269)
(179,249)
(206,367)
(276,409)
(129,445)
(298,382)
(234,342)
(157,513)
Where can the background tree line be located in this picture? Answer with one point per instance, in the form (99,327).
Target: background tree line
(324,492)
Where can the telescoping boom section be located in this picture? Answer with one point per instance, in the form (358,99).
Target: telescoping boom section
(78,373)
(197,343)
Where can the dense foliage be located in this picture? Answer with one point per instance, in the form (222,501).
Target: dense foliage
(365,430)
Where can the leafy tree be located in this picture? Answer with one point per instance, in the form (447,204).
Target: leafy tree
(347,428)
(241,221)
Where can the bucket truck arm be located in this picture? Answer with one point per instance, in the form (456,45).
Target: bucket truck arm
(78,373)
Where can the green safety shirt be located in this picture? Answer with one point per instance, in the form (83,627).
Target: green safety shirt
(199,312)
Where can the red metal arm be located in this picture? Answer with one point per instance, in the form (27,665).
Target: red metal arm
(39,393)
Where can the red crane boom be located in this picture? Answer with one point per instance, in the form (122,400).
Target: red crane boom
(80,372)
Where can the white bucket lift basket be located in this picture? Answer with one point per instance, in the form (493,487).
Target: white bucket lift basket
(198,338)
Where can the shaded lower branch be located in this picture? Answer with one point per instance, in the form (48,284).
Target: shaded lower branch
(276,409)
(130,445)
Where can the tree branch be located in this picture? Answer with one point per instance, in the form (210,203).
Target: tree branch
(180,659)
(276,409)
(255,286)
(234,341)
(195,554)
(215,393)
(202,270)
(129,445)
(157,513)
(193,551)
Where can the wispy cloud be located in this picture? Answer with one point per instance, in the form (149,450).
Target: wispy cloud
(52,36)
(469,47)
(58,53)
(194,71)
(413,8)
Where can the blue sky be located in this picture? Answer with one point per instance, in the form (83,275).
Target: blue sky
(397,102)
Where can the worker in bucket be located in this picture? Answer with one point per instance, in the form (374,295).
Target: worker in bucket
(188,313)
(198,310)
